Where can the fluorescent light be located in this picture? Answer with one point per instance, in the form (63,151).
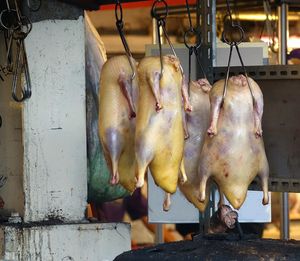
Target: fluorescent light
(262,17)
(293,41)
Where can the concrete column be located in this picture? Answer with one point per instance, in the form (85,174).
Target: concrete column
(54,133)
(54,128)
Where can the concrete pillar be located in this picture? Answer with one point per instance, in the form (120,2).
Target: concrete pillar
(54,128)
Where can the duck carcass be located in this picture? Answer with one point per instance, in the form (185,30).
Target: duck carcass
(117,99)
(159,125)
(197,125)
(233,152)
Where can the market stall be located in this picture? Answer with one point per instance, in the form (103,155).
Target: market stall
(203,119)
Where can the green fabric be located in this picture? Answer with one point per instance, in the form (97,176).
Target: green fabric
(99,188)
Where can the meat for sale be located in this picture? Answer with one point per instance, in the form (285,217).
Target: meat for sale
(197,125)
(159,127)
(117,111)
(233,152)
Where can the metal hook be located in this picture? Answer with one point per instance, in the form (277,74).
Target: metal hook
(160,16)
(118,6)
(233,27)
(234,43)
(120,25)
(227,75)
(8,6)
(8,45)
(199,62)
(229,12)
(161,23)
(189,13)
(193,48)
(160,49)
(245,72)
(21,65)
(11,15)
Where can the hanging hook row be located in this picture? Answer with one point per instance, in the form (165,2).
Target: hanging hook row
(193,48)
(160,18)
(120,27)
(233,41)
(16,28)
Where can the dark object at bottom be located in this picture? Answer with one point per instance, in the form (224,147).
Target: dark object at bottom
(225,236)
(203,249)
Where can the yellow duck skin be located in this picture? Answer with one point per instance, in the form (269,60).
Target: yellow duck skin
(159,128)
(117,111)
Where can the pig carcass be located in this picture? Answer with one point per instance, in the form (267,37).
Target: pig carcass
(117,111)
(233,152)
(159,126)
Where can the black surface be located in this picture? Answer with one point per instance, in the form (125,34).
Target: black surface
(53,9)
(218,250)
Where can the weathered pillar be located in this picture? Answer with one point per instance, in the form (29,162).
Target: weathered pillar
(54,129)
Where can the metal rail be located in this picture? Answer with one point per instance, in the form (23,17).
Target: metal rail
(284,200)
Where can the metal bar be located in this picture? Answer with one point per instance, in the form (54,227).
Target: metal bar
(154,31)
(284,216)
(206,21)
(282,33)
(262,72)
(159,234)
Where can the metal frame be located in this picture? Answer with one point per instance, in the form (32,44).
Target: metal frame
(264,72)
(206,20)
(282,34)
